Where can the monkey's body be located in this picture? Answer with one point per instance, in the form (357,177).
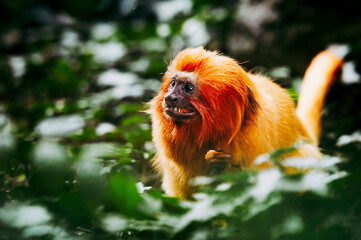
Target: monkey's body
(276,125)
(242,114)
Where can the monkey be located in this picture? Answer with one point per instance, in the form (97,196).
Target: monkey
(209,110)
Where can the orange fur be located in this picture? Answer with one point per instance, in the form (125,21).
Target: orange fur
(243,114)
(318,79)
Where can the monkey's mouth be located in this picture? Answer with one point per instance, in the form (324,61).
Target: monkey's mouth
(180,113)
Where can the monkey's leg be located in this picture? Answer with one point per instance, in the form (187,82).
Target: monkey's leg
(218,161)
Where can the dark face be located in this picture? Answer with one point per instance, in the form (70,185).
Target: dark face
(182,88)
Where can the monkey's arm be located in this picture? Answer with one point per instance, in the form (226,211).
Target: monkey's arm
(218,161)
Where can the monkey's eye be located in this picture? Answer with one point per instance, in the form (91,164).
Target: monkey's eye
(188,88)
(172,83)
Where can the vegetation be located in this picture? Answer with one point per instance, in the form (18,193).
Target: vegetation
(75,145)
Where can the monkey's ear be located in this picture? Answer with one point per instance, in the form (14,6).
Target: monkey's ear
(251,107)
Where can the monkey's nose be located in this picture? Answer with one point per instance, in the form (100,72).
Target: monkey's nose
(171,99)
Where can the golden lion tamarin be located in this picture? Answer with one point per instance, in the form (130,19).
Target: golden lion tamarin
(208,102)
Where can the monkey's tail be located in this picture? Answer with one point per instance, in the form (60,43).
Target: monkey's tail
(318,78)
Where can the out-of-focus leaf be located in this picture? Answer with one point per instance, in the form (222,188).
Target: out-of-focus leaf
(49,161)
(347,139)
(60,126)
(294,94)
(104,150)
(49,155)
(45,231)
(112,77)
(7,140)
(104,128)
(21,215)
(103,31)
(292,224)
(106,53)
(90,181)
(126,108)
(123,194)
(169,9)
(114,223)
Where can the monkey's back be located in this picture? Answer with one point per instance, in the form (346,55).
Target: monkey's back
(276,125)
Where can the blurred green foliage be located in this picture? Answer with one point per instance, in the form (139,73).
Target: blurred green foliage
(75,145)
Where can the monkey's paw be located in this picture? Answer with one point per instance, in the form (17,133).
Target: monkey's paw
(218,161)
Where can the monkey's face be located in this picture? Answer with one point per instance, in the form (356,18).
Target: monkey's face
(205,95)
(181,91)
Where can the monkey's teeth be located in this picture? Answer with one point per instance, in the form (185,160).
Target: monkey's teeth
(178,109)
